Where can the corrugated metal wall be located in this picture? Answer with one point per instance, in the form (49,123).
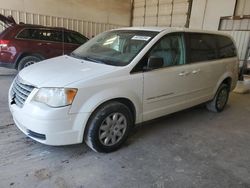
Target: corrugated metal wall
(239,29)
(238,26)
(161,13)
(235,24)
(242,8)
(85,27)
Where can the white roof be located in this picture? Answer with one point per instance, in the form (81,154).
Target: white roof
(172,29)
(158,29)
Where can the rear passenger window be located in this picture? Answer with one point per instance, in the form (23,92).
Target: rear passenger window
(48,35)
(55,36)
(201,47)
(226,47)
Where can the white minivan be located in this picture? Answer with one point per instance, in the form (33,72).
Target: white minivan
(121,78)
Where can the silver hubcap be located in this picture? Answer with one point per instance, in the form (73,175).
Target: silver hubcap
(222,98)
(112,129)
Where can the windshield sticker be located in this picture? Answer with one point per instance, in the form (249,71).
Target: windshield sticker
(146,38)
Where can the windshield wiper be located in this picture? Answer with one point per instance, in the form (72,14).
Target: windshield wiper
(86,58)
(94,60)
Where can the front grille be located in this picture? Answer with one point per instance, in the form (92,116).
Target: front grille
(20,92)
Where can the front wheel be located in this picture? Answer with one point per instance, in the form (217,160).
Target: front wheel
(220,100)
(108,127)
(26,61)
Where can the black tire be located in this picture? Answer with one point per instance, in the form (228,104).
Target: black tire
(220,100)
(26,61)
(99,118)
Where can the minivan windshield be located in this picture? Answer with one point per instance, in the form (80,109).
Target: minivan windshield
(117,47)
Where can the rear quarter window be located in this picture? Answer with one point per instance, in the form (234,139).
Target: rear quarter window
(206,47)
(226,47)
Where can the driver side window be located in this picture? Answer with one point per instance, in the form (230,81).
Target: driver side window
(170,49)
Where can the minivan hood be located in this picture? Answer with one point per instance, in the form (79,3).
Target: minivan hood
(7,20)
(62,71)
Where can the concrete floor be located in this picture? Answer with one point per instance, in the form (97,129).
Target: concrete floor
(192,148)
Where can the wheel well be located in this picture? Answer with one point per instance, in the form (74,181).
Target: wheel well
(228,81)
(27,54)
(124,101)
(129,104)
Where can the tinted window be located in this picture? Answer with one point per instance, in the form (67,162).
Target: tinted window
(55,36)
(26,34)
(201,47)
(41,34)
(226,47)
(74,38)
(170,49)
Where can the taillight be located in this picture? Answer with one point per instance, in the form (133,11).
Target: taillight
(4,43)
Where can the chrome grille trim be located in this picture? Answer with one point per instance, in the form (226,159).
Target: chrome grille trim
(20,92)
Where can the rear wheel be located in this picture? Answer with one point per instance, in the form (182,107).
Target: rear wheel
(220,100)
(108,127)
(26,61)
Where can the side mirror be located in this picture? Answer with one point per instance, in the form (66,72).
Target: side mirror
(155,63)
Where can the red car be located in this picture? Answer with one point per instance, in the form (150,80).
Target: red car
(25,44)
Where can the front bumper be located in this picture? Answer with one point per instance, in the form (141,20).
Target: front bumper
(51,126)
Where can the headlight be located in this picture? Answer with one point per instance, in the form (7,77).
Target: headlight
(55,97)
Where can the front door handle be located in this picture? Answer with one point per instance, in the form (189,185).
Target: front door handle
(184,73)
